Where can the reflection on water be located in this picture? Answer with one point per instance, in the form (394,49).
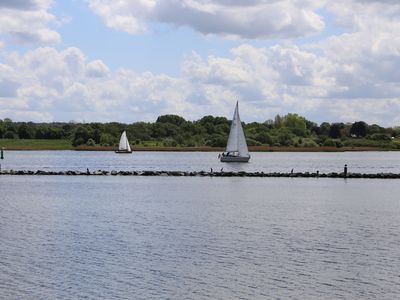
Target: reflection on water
(198,238)
(363,162)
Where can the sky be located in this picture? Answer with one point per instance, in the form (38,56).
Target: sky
(133,60)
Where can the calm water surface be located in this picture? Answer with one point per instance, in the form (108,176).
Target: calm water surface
(364,162)
(197,238)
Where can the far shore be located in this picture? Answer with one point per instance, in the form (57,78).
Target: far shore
(251,149)
(193,149)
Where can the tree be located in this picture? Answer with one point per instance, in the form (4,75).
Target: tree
(81,136)
(264,138)
(2,130)
(334,131)
(10,135)
(325,128)
(359,129)
(217,140)
(25,131)
(296,124)
(139,130)
(372,129)
(172,119)
(96,135)
(285,137)
(278,121)
(107,140)
(9,125)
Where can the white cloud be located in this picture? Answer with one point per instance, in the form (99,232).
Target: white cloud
(244,19)
(27,21)
(346,77)
(97,68)
(63,85)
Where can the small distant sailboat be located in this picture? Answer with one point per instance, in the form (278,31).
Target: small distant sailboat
(236,149)
(124,146)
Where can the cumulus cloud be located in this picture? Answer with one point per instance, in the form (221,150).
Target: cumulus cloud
(97,68)
(23,4)
(64,85)
(266,81)
(27,21)
(259,19)
(346,77)
(8,88)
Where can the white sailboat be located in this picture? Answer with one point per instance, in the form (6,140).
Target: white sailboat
(124,146)
(236,149)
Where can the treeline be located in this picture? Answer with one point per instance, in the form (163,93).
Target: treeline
(171,130)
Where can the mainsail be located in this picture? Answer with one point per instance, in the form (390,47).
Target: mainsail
(124,144)
(237,141)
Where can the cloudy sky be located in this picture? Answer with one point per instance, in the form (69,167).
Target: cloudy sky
(132,60)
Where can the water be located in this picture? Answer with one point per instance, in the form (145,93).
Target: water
(198,238)
(67,237)
(363,162)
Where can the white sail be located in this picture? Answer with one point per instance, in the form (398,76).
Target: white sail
(124,143)
(237,141)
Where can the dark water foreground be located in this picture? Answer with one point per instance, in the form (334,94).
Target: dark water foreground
(203,174)
(116,237)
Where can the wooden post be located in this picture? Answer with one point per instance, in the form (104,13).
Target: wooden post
(2,154)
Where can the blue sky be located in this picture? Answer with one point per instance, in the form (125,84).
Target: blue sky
(104,60)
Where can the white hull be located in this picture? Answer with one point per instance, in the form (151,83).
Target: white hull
(123,151)
(235,158)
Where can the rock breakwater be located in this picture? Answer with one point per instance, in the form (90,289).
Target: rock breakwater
(202,174)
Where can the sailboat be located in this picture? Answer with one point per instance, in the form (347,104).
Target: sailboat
(124,146)
(236,149)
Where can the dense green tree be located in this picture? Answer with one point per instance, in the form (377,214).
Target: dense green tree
(2,130)
(359,129)
(139,130)
(217,140)
(285,137)
(81,136)
(25,132)
(264,138)
(278,121)
(10,135)
(95,135)
(107,139)
(9,125)
(296,124)
(325,128)
(172,119)
(172,130)
(335,131)
(372,129)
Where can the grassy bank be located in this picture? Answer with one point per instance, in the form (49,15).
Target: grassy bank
(36,144)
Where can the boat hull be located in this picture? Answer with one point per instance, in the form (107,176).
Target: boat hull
(235,158)
(123,152)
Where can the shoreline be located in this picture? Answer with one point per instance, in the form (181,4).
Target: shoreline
(204,149)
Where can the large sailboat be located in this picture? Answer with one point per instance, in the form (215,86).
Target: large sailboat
(236,149)
(124,146)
